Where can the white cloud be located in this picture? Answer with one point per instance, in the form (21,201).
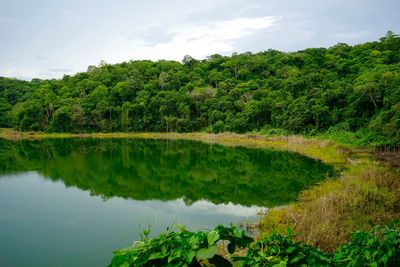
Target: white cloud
(226,209)
(178,40)
(204,206)
(202,40)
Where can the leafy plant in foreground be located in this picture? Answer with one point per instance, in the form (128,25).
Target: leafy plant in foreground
(181,248)
(379,247)
(282,250)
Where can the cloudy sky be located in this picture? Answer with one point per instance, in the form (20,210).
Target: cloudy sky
(49,38)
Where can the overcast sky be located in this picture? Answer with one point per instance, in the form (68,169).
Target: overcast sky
(49,38)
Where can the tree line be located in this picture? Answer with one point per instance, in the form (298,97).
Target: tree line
(316,90)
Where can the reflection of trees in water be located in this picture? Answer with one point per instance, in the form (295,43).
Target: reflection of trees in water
(153,169)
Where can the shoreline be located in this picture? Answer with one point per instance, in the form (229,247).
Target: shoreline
(311,147)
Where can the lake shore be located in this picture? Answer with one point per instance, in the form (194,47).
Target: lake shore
(365,193)
(332,153)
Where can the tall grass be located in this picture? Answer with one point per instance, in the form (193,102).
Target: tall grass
(326,215)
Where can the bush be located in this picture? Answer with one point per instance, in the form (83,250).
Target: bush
(281,250)
(181,248)
(378,247)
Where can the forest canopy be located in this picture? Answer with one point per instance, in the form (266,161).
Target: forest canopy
(316,90)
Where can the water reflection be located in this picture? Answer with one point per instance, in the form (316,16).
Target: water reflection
(43,223)
(167,170)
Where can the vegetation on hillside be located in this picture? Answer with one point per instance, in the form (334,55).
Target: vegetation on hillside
(338,90)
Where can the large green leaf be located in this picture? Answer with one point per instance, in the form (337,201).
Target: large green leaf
(206,253)
(212,237)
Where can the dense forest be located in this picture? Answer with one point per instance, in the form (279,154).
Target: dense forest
(317,90)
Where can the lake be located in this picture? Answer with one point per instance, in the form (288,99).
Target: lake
(71,202)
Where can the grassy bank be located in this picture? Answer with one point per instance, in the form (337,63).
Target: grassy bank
(325,215)
(366,192)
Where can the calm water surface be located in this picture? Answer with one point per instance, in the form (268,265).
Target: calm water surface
(71,202)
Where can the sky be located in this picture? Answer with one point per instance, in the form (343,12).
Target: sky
(50,38)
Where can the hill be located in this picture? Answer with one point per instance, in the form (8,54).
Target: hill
(341,89)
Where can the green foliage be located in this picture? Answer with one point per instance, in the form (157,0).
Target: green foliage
(267,130)
(309,92)
(181,248)
(362,137)
(379,247)
(281,250)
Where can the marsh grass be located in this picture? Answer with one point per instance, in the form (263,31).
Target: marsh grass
(327,214)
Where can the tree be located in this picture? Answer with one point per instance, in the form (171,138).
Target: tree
(5,108)
(62,121)
(353,88)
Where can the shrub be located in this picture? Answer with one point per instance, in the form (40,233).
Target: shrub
(378,247)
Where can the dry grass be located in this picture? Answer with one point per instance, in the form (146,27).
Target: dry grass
(325,216)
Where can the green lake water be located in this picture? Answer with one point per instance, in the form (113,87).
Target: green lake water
(71,202)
